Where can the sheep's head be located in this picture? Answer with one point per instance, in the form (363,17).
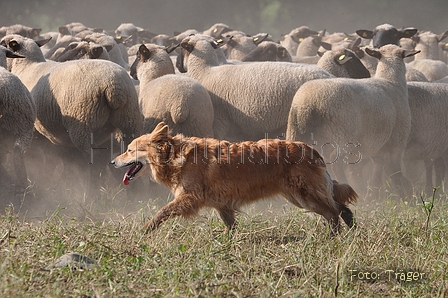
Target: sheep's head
(204,49)
(390,50)
(386,34)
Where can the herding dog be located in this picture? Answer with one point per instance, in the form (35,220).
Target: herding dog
(206,172)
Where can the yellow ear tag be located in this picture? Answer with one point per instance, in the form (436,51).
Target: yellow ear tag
(446,44)
(364,35)
(300,39)
(286,35)
(256,38)
(214,30)
(346,38)
(219,41)
(342,57)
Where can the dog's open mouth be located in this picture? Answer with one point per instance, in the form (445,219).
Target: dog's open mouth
(133,170)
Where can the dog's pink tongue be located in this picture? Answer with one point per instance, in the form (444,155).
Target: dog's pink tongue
(126,179)
(128,174)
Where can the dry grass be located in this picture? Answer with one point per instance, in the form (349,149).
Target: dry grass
(276,251)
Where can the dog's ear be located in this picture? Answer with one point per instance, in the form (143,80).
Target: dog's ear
(160,132)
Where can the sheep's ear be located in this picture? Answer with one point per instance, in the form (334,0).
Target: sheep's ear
(355,43)
(325,45)
(373,53)
(171,48)
(342,59)
(97,51)
(218,43)
(282,52)
(407,33)
(367,34)
(143,50)
(410,53)
(442,36)
(64,30)
(320,54)
(187,46)
(258,40)
(109,47)
(42,41)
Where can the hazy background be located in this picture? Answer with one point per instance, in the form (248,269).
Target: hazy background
(276,17)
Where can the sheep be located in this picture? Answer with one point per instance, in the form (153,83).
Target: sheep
(427,61)
(311,44)
(412,74)
(17,116)
(363,118)
(115,53)
(217,30)
(428,139)
(239,45)
(79,103)
(176,99)
(268,51)
(128,30)
(433,70)
(386,34)
(292,39)
(428,44)
(251,99)
(23,30)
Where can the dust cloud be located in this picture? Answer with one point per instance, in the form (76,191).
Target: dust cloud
(54,183)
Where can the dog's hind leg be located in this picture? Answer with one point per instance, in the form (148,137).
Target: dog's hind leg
(183,205)
(228,216)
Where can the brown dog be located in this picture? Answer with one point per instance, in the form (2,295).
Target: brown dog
(205,172)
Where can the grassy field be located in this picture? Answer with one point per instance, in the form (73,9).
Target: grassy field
(400,249)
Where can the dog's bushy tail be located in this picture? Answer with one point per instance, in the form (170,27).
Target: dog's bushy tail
(343,193)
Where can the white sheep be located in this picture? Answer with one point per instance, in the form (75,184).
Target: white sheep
(17,116)
(428,139)
(427,61)
(217,30)
(412,74)
(239,45)
(360,119)
(79,103)
(251,99)
(171,98)
(268,51)
(115,54)
(292,40)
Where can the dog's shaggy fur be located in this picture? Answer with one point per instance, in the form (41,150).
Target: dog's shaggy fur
(205,172)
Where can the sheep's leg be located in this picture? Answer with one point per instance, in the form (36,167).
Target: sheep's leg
(439,168)
(183,205)
(400,183)
(428,175)
(228,217)
(375,181)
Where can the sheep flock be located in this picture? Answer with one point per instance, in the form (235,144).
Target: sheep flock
(372,102)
